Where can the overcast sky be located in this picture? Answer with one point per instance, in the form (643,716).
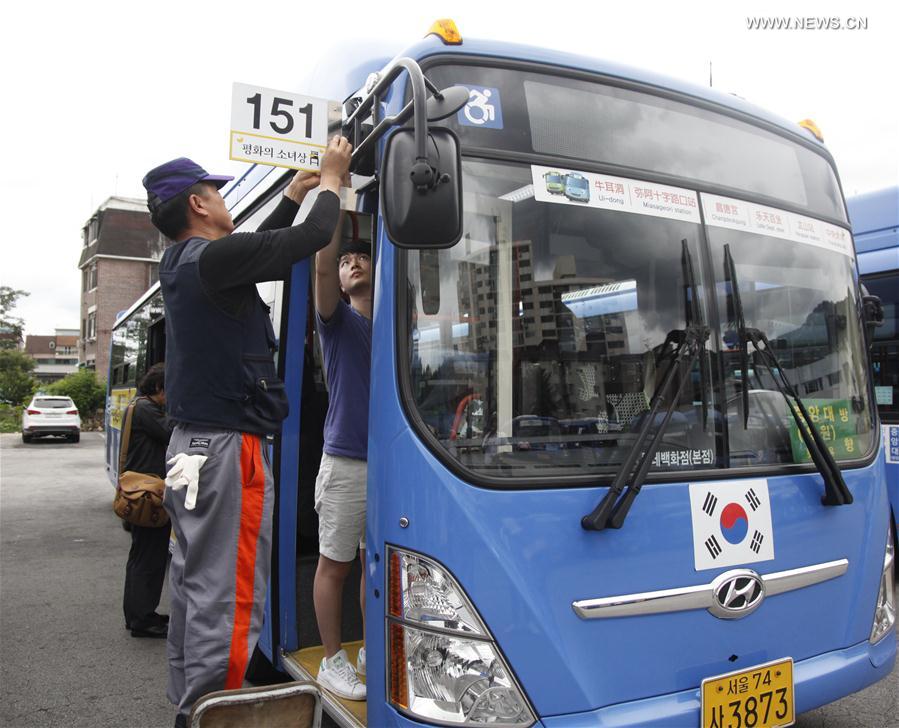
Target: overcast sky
(96,93)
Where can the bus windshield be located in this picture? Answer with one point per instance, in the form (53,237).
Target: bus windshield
(535,341)
(535,344)
(579,183)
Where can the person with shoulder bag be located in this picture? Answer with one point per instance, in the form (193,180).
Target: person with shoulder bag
(144,454)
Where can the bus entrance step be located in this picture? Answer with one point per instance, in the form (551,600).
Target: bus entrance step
(304,664)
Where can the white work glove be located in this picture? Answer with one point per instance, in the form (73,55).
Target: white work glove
(185,471)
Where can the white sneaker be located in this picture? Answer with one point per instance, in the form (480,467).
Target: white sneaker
(360,662)
(338,676)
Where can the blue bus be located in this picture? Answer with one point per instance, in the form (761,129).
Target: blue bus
(875,226)
(625,462)
(577,188)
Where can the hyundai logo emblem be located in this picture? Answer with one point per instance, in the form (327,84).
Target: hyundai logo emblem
(737,594)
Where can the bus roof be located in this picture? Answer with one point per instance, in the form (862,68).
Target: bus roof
(344,70)
(431,46)
(123,316)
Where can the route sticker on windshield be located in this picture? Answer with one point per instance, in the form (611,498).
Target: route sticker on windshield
(484,108)
(603,191)
(891,443)
(731,523)
(735,214)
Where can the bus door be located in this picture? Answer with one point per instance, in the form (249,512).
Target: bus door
(299,452)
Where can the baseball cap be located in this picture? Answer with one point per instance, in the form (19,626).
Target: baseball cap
(172,178)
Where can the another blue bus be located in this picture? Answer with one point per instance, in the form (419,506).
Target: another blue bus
(577,188)
(875,226)
(624,457)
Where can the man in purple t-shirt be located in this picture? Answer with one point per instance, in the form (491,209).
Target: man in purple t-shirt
(345,334)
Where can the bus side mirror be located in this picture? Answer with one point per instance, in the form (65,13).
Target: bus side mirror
(873,312)
(422,199)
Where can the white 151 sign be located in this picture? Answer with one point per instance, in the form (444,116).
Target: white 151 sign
(281,129)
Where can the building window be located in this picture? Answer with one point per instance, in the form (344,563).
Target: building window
(91,326)
(93,230)
(92,277)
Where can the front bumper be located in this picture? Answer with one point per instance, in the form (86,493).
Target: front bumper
(819,680)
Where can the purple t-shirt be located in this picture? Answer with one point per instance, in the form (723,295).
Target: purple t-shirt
(346,346)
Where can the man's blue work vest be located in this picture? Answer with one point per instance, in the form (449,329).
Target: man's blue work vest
(219,368)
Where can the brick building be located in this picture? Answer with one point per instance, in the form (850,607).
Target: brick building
(54,356)
(119,261)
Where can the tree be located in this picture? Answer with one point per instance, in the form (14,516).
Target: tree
(10,324)
(84,389)
(16,383)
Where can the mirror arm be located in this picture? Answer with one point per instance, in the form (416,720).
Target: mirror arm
(376,133)
(419,99)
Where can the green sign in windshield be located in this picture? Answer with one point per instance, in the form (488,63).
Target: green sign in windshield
(838,426)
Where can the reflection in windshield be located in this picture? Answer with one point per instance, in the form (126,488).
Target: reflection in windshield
(535,342)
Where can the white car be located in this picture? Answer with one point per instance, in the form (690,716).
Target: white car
(48,415)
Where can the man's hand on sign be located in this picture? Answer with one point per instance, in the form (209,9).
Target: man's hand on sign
(336,163)
(300,185)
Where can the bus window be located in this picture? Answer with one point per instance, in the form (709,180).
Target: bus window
(582,120)
(885,347)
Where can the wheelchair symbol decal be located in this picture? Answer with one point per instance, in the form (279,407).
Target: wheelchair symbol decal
(483,108)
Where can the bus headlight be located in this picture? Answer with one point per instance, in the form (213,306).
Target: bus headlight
(443,664)
(885,611)
(424,593)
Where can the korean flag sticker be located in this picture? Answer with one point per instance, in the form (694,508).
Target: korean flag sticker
(731,523)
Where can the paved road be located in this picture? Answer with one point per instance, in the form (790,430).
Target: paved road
(65,657)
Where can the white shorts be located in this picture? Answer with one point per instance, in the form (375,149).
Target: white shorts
(340,504)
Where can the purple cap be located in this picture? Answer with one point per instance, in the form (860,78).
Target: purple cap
(172,178)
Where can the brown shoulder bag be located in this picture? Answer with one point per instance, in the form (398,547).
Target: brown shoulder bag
(138,498)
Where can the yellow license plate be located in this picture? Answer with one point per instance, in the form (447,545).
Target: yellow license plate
(761,697)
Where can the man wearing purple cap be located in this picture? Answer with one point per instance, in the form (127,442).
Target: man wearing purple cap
(224,395)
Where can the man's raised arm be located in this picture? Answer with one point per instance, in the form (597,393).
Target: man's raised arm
(327,281)
(242,258)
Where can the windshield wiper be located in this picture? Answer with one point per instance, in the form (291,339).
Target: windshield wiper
(836,493)
(689,345)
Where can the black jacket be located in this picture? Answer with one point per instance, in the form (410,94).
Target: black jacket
(219,365)
(150,433)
